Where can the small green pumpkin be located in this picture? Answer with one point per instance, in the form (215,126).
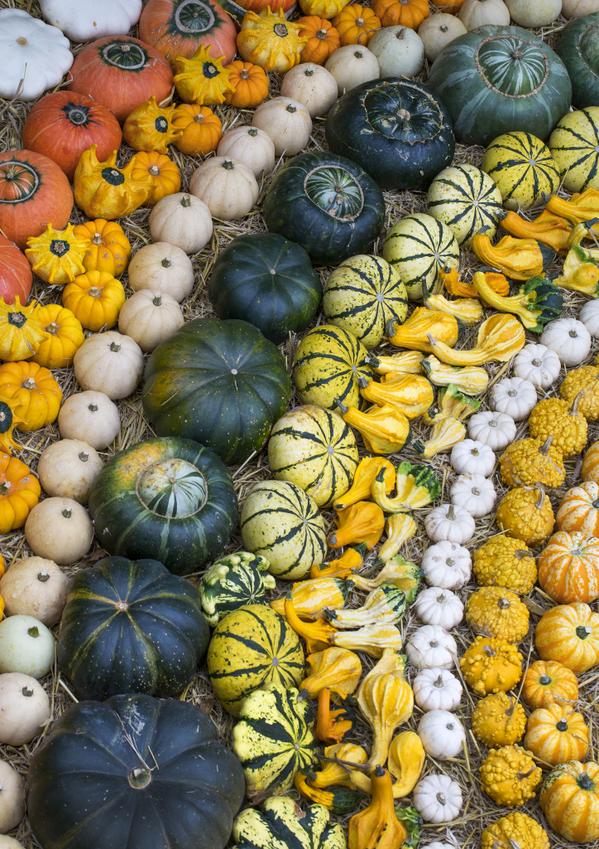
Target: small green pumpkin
(280,823)
(234,581)
(578,48)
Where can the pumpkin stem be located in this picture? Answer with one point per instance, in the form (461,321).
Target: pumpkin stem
(576,402)
(34,631)
(114,347)
(228,165)
(450,513)
(157,300)
(43,577)
(139,778)
(253,132)
(27,692)
(83,456)
(29,383)
(97,239)
(185,201)
(585,782)
(166,263)
(540,498)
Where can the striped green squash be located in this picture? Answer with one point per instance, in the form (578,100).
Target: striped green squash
(252,647)
(328,365)
(522,168)
(280,522)
(280,824)
(418,247)
(316,450)
(467,200)
(362,295)
(234,581)
(574,145)
(274,739)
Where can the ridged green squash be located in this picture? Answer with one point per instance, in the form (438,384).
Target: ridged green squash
(280,824)
(522,168)
(574,145)
(234,581)
(252,648)
(467,200)
(578,47)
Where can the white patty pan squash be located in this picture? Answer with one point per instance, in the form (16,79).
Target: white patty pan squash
(35,56)
(84,20)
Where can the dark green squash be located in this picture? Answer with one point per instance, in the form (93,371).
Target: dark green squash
(169,499)
(267,280)
(220,383)
(134,772)
(396,129)
(326,203)
(130,627)
(578,47)
(497,79)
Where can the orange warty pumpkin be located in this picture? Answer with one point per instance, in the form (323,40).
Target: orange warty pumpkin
(177,29)
(323,39)
(579,510)
(32,392)
(15,273)
(570,801)
(569,633)
(556,734)
(250,84)
(202,129)
(356,24)
(546,682)
(19,492)
(590,463)
(568,567)
(406,13)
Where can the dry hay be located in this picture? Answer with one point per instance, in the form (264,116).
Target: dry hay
(478,809)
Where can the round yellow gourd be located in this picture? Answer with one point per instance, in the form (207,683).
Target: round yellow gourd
(523,169)
(497,612)
(504,561)
(498,720)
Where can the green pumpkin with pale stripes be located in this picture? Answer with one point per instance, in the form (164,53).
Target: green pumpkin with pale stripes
(280,522)
(252,647)
(522,168)
(280,824)
(316,450)
(467,200)
(574,145)
(234,581)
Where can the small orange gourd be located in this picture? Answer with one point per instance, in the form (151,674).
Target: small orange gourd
(570,801)
(546,682)
(108,248)
(569,567)
(590,463)
(19,493)
(201,129)
(356,24)
(65,336)
(363,522)
(569,633)
(32,392)
(579,510)
(95,298)
(164,174)
(323,39)
(405,13)
(250,84)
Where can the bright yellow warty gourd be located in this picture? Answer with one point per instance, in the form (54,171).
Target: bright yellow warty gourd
(510,776)
(526,513)
(515,829)
(491,665)
(530,462)
(582,384)
(497,612)
(560,421)
(504,561)
(498,720)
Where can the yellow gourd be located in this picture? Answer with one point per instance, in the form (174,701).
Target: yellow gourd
(383,605)
(365,474)
(518,259)
(334,772)
(497,612)
(363,522)
(311,597)
(546,682)
(405,762)
(56,256)
(409,394)
(343,566)
(453,404)
(268,39)
(450,277)
(108,248)
(526,514)
(32,392)
(547,228)
(95,299)
(445,433)
(164,174)
(384,429)
(560,421)
(318,635)
(377,826)
(530,462)
(583,384)
(415,487)
(323,8)
(103,190)
(396,572)
(577,209)
(466,310)
(339,670)
(580,272)
(423,323)
(400,528)
(151,127)
(332,724)
(491,665)
(536,302)
(202,78)
(556,734)
(20,331)
(471,380)
(372,639)
(514,830)
(504,561)
(64,336)
(499,338)
(510,776)
(406,362)
(498,720)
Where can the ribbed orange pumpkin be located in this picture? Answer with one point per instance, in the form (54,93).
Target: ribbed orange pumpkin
(590,463)
(556,734)
(356,24)
(202,129)
(95,298)
(569,567)
(579,510)
(569,633)
(19,493)
(65,336)
(32,392)
(108,246)
(250,84)
(406,13)
(570,801)
(164,174)
(323,39)
(546,682)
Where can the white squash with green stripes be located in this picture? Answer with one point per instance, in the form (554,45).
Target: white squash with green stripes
(467,200)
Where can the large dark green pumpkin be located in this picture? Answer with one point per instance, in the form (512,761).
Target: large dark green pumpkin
(578,47)
(131,627)
(134,772)
(267,280)
(326,203)
(497,79)
(218,382)
(396,129)
(169,499)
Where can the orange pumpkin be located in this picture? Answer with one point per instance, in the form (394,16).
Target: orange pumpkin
(546,682)
(323,39)
(250,84)
(165,177)
(177,29)
(450,6)
(356,24)
(19,492)
(202,129)
(590,463)
(570,801)
(65,336)
(569,633)
(95,298)
(579,510)
(32,392)
(108,247)
(406,13)
(15,273)
(568,567)
(556,734)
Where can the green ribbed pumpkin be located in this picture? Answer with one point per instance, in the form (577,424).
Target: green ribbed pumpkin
(328,364)
(362,295)
(578,48)
(418,247)
(467,200)
(574,145)
(280,824)
(234,581)
(314,449)
(522,168)
(251,648)
(280,522)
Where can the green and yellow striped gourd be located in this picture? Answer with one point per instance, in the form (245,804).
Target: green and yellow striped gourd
(522,168)
(280,823)
(467,200)
(574,145)
(234,581)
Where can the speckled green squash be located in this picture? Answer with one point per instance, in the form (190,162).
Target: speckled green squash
(578,47)
(232,582)
(467,200)
(280,823)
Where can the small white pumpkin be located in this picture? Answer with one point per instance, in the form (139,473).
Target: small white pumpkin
(251,146)
(481,13)
(439,30)
(432,646)
(442,734)
(26,646)
(399,51)
(438,798)
(7,842)
(91,415)
(474,493)
(492,428)
(538,364)
(446,565)
(59,529)
(311,85)
(471,457)
(228,188)
(514,396)
(436,606)
(109,362)
(150,317)
(24,708)
(161,267)
(85,20)
(589,315)
(437,689)
(12,797)
(539,13)
(36,587)
(579,8)
(287,122)
(352,65)
(182,220)
(569,338)
(449,522)
(68,468)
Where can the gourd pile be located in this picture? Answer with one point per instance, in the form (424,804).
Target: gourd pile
(299,392)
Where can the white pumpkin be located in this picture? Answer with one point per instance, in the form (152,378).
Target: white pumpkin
(12,797)
(579,8)
(182,220)
(287,122)
(399,51)
(26,646)
(442,734)
(447,565)
(24,708)
(109,362)
(438,798)
(59,529)
(492,428)
(162,267)
(439,30)
(569,338)
(36,587)
(514,396)
(480,13)
(474,493)
(35,56)
(85,20)
(534,13)
(251,146)
(150,317)
(436,606)
(449,522)
(91,415)
(470,457)
(7,842)
(68,468)
(352,65)
(431,646)
(228,188)
(538,364)
(437,689)
(589,315)
(311,85)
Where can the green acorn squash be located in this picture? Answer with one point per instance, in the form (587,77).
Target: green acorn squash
(280,823)
(578,47)
(234,581)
